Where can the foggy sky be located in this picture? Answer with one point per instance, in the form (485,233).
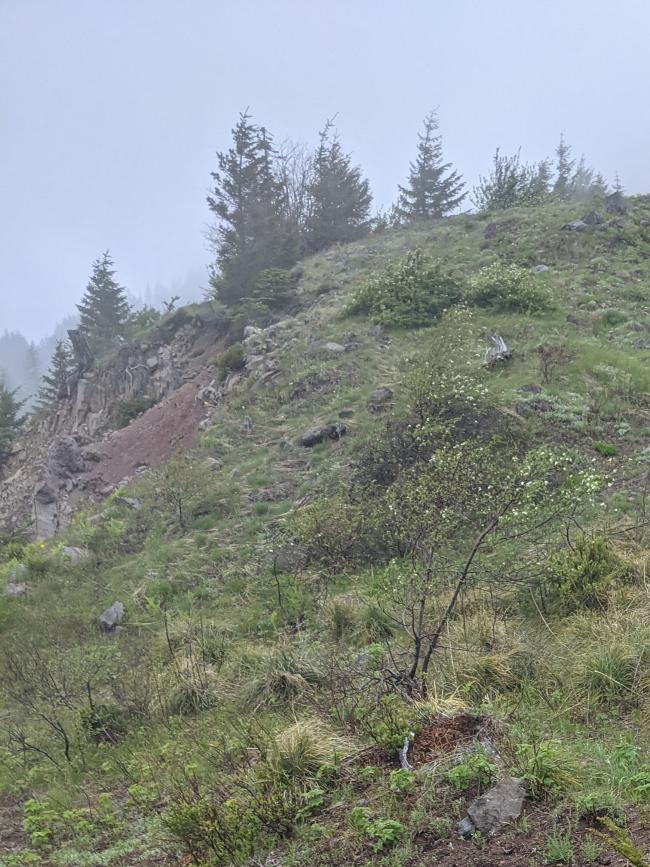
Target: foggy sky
(111,111)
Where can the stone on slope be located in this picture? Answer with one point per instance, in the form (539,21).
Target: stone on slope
(499,806)
(319,434)
(110,619)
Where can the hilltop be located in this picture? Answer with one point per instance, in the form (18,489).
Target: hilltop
(290,508)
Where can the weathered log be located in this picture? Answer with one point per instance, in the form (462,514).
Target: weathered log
(498,352)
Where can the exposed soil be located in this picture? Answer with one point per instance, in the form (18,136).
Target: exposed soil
(443,735)
(12,838)
(151,439)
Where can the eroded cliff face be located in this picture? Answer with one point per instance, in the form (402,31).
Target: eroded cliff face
(75,450)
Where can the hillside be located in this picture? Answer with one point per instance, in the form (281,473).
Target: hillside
(349,538)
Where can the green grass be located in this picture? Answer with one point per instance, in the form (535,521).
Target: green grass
(225,608)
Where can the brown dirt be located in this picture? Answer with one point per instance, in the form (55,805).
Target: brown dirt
(151,439)
(525,846)
(443,735)
(12,838)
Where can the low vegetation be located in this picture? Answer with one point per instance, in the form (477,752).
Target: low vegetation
(463,573)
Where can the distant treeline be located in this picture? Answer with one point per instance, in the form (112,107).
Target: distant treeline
(273,204)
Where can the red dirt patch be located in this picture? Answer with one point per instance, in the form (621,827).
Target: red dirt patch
(151,439)
(443,735)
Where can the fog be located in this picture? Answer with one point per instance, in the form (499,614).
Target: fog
(112,111)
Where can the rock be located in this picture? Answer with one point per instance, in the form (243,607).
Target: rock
(110,619)
(380,396)
(335,348)
(465,828)
(346,412)
(17,572)
(319,434)
(540,269)
(14,589)
(152,362)
(575,226)
(376,331)
(251,331)
(499,806)
(531,388)
(130,502)
(574,320)
(65,457)
(208,395)
(593,218)
(75,555)
(642,343)
(615,203)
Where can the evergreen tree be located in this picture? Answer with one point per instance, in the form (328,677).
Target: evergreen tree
(55,383)
(253,231)
(103,310)
(433,190)
(10,419)
(564,167)
(339,197)
(32,367)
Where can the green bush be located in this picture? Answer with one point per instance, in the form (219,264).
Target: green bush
(233,359)
(275,287)
(607,450)
(547,768)
(609,676)
(583,576)
(506,288)
(410,293)
(126,410)
(382,832)
(477,770)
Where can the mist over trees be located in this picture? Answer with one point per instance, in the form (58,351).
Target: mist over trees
(272,205)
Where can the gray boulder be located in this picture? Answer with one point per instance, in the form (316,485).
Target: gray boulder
(593,218)
(16,588)
(319,434)
(130,503)
(335,348)
(17,572)
(379,397)
(576,226)
(74,555)
(540,269)
(109,620)
(499,806)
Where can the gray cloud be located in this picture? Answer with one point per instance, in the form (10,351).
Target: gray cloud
(112,111)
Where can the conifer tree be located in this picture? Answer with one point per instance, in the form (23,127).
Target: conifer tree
(339,197)
(564,166)
(103,310)
(434,189)
(10,419)
(55,382)
(253,231)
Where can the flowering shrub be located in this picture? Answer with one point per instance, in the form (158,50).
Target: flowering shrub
(410,293)
(506,288)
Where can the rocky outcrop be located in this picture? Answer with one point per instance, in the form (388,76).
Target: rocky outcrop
(53,461)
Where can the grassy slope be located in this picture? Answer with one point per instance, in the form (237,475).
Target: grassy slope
(213,584)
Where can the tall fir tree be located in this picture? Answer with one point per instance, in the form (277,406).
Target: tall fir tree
(11,420)
(564,168)
(253,231)
(32,367)
(434,188)
(339,196)
(54,384)
(104,309)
